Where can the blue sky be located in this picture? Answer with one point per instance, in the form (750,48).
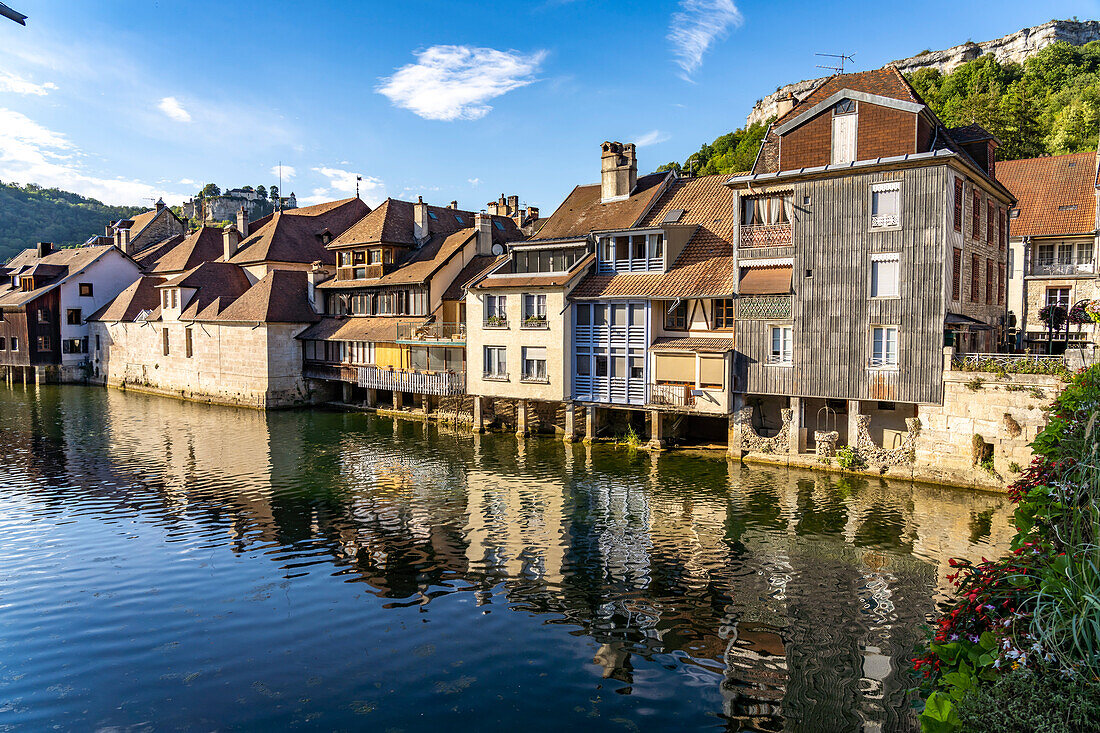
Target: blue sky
(448,100)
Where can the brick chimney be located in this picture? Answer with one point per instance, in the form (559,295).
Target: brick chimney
(44,248)
(317,274)
(231,240)
(619,169)
(242,222)
(420,221)
(533,212)
(484,225)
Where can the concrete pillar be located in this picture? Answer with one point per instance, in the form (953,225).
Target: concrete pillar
(949,357)
(853,422)
(398,400)
(371,400)
(796,437)
(591,422)
(521,417)
(346,392)
(733,446)
(656,430)
(478,425)
(570,423)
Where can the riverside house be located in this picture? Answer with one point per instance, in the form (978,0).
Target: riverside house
(894,230)
(215,316)
(394,325)
(1053,248)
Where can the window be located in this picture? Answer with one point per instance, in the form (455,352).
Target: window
(358,257)
(782,345)
(1084,257)
(1002,231)
(884,346)
(1044,256)
(976,216)
(376,256)
(496,362)
(956,274)
(43,315)
(958,205)
(164,299)
(988,281)
(534,310)
(164,341)
(534,363)
(1000,283)
(85,290)
(676,316)
(1058,296)
(844,132)
(767,210)
(975,282)
(584,365)
(188,348)
(74,346)
(43,343)
(601,365)
(72,317)
(14,343)
(989,222)
(723,313)
(884,277)
(885,205)
(3,344)
(175,298)
(496,314)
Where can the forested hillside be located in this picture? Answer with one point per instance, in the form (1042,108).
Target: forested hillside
(1050,105)
(30,214)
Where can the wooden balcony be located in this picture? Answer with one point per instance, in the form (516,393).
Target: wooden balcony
(441,384)
(330,372)
(420,331)
(765,235)
(670,395)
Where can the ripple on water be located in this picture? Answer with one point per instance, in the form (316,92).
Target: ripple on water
(170,565)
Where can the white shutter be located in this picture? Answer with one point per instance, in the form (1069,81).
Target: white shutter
(844,138)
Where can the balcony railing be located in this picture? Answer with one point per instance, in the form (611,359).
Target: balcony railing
(535,322)
(496,322)
(1063,268)
(764,307)
(362,272)
(330,372)
(441,384)
(765,235)
(879,221)
(670,395)
(971,362)
(431,331)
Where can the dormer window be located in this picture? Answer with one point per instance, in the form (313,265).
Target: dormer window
(26,284)
(845,124)
(631,253)
(376,257)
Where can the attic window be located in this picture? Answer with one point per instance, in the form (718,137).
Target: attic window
(432,215)
(672,216)
(1013,213)
(459,219)
(1072,164)
(845,107)
(1068,207)
(498,225)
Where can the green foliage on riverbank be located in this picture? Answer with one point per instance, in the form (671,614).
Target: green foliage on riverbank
(30,214)
(1035,613)
(1049,105)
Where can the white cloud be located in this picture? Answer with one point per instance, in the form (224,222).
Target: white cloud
(172,107)
(341,184)
(456,82)
(187,182)
(651,138)
(31,153)
(697,26)
(17,85)
(289,171)
(474,181)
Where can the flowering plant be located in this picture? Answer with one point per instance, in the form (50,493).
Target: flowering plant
(1053,316)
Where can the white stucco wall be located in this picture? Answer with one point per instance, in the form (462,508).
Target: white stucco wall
(109,275)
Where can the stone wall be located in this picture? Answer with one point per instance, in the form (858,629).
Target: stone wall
(1014,47)
(1006,412)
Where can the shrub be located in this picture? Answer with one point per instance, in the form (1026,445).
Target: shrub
(850,459)
(975,384)
(1022,702)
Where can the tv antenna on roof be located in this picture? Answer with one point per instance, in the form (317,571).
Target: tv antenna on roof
(839,68)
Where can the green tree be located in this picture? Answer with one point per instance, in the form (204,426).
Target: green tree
(273,192)
(262,190)
(210,190)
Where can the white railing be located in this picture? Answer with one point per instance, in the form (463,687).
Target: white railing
(442,384)
(975,360)
(884,220)
(1063,268)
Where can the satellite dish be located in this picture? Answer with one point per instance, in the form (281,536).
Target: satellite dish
(498,249)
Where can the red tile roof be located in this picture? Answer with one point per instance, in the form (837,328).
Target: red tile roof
(142,295)
(281,296)
(392,223)
(202,245)
(884,82)
(582,211)
(705,265)
(293,235)
(1046,189)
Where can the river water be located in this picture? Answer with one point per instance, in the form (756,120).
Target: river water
(166,565)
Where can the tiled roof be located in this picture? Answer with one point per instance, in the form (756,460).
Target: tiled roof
(293,235)
(202,245)
(141,221)
(1043,185)
(149,256)
(690,343)
(971,133)
(582,212)
(281,296)
(354,328)
(392,223)
(537,279)
(140,296)
(222,277)
(705,265)
(884,82)
(61,263)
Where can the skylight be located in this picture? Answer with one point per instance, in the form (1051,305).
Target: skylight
(672,216)
(1068,207)
(498,225)
(432,215)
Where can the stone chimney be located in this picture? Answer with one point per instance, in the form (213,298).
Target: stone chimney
(231,240)
(317,274)
(619,169)
(122,241)
(44,248)
(513,205)
(533,212)
(452,205)
(484,225)
(242,222)
(420,221)
(784,105)
(160,204)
